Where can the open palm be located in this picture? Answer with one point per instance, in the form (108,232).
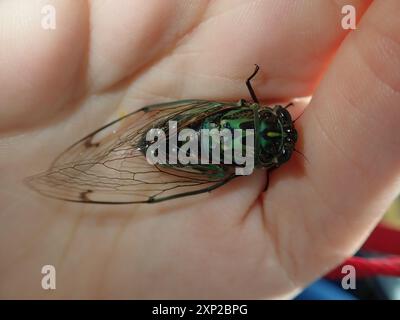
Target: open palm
(108,58)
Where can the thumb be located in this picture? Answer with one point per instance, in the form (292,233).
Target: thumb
(351,133)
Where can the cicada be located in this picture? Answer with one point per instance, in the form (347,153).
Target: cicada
(109,165)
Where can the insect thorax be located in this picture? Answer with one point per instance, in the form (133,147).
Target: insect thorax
(273,133)
(277,136)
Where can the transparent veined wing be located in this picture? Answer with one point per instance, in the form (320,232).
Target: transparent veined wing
(108,166)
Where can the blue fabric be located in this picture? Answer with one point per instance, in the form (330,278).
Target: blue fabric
(325,290)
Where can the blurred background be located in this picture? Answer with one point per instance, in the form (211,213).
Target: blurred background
(377,267)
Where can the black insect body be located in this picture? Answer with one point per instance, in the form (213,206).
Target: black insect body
(109,165)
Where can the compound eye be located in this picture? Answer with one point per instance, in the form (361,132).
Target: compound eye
(294,135)
(285,155)
(285,116)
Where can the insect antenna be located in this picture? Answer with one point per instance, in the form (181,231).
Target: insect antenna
(289,105)
(298,117)
(302,154)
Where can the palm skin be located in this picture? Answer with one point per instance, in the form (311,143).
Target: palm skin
(104,60)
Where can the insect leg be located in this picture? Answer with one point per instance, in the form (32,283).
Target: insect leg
(289,105)
(269,171)
(249,87)
(191,193)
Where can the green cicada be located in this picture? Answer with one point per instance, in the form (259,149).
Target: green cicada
(109,165)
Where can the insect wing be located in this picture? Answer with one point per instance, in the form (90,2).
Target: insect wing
(109,166)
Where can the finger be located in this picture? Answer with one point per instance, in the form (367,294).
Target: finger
(291,41)
(40,67)
(351,135)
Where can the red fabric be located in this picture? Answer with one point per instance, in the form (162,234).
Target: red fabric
(388,266)
(383,240)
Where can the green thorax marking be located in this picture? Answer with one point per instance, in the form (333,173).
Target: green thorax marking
(242,117)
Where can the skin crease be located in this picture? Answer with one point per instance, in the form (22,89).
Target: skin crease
(104,60)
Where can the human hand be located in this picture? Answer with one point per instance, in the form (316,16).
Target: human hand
(104,59)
